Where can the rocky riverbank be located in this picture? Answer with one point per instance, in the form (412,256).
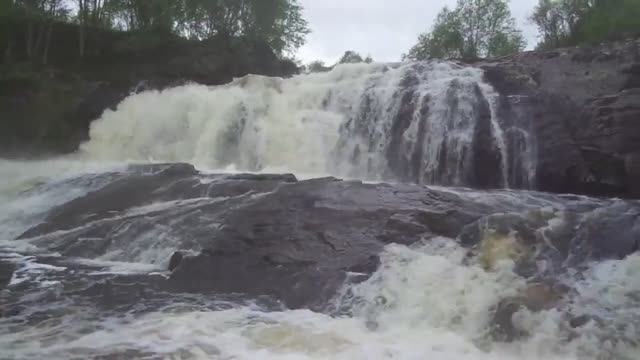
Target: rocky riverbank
(296,244)
(582,105)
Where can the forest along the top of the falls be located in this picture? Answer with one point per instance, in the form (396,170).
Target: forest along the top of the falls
(432,122)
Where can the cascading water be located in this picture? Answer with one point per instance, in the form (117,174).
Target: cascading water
(430,123)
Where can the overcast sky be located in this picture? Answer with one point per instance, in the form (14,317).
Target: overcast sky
(382,28)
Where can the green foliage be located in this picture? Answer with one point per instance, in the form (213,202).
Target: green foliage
(352,57)
(574,22)
(317,66)
(445,41)
(279,23)
(475,28)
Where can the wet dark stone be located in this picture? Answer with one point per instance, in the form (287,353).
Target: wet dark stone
(286,178)
(6,273)
(487,159)
(502,327)
(600,235)
(295,241)
(580,109)
(175,260)
(579,321)
(179,169)
(535,298)
(299,241)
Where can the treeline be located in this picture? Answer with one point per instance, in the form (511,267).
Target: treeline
(349,57)
(485,28)
(277,22)
(576,22)
(473,29)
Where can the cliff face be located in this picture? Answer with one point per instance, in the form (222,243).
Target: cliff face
(582,107)
(48,108)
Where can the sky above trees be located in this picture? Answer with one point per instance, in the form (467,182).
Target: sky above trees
(383,29)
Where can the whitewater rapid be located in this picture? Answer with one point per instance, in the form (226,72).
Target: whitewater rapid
(435,302)
(409,122)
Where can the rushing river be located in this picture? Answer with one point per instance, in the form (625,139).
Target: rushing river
(79,296)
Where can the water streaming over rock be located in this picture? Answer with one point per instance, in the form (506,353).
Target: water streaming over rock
(432,123)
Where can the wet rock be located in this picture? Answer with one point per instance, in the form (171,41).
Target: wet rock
(534,298)
(124,292)
(487,159)
(579,111)
(286,178)
(541,296)
(606,223)
(126,354)
(175,260)
(168,169)
(299,241)
(579,321)
(140,187)
(6,273)
(502,326)
(608,135)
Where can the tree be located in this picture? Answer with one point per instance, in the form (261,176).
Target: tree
(39,17)
(475,28)
(551,21)
(352,57)
(445,41)
(574,22)
(277,23)
(280,23)
(609,20)
(317,66)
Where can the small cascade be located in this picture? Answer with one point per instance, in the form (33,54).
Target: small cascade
(428,122)
(438,127)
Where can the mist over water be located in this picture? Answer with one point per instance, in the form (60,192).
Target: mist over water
(422,123)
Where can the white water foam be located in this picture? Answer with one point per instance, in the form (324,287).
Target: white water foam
(336,123)
(435,306)
(253,123)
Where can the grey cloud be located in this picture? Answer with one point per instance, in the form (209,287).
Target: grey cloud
(382,28)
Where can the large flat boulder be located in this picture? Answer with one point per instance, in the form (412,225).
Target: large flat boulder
(299,242)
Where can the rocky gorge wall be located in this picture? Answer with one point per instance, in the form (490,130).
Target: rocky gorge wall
(582,106)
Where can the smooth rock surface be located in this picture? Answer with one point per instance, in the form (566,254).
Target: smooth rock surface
(298,241)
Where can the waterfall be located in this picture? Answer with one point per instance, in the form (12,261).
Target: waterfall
(429,122)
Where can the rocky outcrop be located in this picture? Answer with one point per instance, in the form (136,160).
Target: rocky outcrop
(6,273)
(299,242)
(581,105)
(608,136)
